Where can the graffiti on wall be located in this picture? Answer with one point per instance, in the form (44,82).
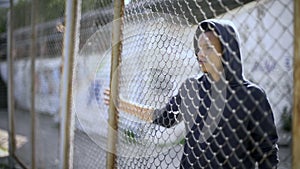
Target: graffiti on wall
(268,66)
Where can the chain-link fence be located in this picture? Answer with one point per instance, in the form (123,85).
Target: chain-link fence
(199,84)
(37,32)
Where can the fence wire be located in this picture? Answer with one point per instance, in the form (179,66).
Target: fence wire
(160,73)
(158,56)
(36,36)
(193,92)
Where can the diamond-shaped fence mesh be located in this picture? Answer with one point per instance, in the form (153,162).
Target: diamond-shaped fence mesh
(201,84)
(180,106)
(37,34)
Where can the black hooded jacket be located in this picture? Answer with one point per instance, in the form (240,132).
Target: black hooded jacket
(229,123)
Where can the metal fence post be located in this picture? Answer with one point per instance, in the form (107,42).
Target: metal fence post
(11,110)
(296,109)
(71,42)
(115,60)
(33,55)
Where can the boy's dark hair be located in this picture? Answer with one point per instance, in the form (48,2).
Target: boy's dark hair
(202,28)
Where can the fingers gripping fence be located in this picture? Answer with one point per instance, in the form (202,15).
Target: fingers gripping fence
(202,84)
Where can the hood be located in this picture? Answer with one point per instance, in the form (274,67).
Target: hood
(229,38)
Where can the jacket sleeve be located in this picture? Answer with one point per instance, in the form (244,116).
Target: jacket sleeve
(169,115)
(172,113)
(264,136)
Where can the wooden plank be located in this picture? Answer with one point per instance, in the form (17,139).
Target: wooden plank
(10,94)
(296,106)
(70,50)
(32,90)
(114,86)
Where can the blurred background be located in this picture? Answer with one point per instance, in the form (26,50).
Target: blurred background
(157,55)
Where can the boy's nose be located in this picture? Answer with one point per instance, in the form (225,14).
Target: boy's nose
(200,55)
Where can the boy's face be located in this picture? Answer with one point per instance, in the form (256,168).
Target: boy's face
(210,53)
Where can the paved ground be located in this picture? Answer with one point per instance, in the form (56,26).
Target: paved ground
(87,154)
(46,142)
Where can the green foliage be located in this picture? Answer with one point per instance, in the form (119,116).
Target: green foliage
(88,5)
(21,14)
(182,142)
(3,16)
(130,136)
(286,118)
(4,166)
(46,10)
(49,10)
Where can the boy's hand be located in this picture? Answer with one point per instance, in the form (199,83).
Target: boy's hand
(143,113)
(106,96)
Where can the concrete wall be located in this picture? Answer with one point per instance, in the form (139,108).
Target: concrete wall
(267,47)
(266,32)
